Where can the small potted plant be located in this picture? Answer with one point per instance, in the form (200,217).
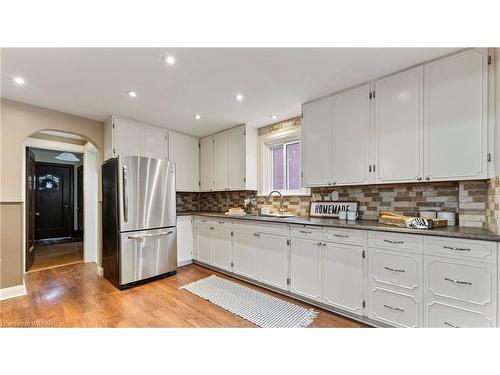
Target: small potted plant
(248,203)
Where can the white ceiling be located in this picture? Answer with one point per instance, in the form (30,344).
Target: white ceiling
(92,82)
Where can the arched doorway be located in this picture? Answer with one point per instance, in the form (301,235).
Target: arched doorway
(69,229)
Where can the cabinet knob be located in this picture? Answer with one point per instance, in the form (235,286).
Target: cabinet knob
(428,178)
(329,182)
(419,178)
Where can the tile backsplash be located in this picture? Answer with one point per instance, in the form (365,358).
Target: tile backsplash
(469,199)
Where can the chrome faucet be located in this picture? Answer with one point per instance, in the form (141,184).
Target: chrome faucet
(281,199)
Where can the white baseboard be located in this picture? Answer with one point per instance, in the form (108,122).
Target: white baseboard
(184,262)
(13,291)
(100,271)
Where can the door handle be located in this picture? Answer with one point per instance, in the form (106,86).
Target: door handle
(150,235)
(125,194)
(37,213)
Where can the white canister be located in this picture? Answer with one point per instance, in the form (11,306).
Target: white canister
(352,215)
(428,214)
(343,215)
(265,210)
(450,216)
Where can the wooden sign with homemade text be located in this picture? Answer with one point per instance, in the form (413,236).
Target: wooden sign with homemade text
(331,209)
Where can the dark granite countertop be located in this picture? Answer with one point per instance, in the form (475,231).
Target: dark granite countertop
(456,231)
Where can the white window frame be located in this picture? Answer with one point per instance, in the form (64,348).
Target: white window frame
(265,160)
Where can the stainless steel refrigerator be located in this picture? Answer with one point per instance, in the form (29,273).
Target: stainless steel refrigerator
(139,220)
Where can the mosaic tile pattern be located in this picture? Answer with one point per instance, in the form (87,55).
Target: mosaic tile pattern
(493,205)
(468,199)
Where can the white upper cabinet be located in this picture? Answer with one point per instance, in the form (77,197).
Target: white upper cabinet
(123,136)
(398,127)
(456,89)
(184,151)
(220,160)
(155,142)
(351,136)
(207,164)
(317,137)
(234,160)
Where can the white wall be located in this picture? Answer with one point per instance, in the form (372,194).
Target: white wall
(90,204)
(497,111)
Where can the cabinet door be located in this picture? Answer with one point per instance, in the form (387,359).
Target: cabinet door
(184,240)
(184,151)
(273,260)
(317,138)
(351,136)
(154,142)
(245,247)
(343,277)
(204,242)
(236,158)
(220,160)
(305,270)
(221,248)
(456,117)
(206,164)
(398,127)
(128,137)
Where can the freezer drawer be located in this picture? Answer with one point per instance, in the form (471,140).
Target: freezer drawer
(148,253)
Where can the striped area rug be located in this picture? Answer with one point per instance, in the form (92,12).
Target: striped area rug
(259,308)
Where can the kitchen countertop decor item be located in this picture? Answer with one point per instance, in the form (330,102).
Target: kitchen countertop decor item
(331,209)
(392,218)
(450,217)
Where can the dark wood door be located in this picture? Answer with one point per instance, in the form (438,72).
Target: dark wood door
(80,198)
(30,208)
(54,191)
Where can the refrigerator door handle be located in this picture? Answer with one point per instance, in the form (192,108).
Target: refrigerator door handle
(125,194)
(150,235)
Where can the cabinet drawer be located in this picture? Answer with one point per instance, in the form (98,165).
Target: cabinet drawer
(308,232)
(395,241)
(446,316)
(461,249)
(394,308)
(453,279)
(347,236)
(276,229)
(402,270)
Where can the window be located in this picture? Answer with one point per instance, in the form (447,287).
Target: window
(286,166)
(279,163)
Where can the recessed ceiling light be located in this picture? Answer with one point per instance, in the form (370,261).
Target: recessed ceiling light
(132,94)
(170,60)
(197,117)
(274,117)
(239,97)
(19,80)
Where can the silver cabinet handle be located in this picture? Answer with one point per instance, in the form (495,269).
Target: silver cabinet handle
(203,221)
(458,281)
(211,228)
(137,237)
(394,242)
(341,236)
(125,194)
(394,269)
(456,248)
(305,231)
(220,222)
(369,168)
(450,325)
(394,308)
(256,234)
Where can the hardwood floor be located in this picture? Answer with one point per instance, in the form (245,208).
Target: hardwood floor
(55,255)
(74,296)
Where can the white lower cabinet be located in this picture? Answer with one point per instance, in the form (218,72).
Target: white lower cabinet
(185,240)
(245,244)
(343,277)
(272,255)
(305,268)
(394,308)
(221,247)
(459,293)
(203,241)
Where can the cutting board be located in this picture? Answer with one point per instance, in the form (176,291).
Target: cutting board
(392,218)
